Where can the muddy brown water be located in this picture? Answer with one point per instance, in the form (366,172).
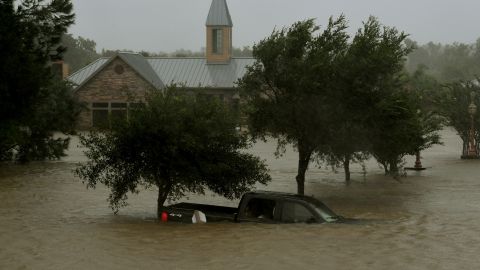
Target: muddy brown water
(429,220)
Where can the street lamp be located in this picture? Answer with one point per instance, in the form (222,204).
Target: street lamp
(472,151)
(418,162)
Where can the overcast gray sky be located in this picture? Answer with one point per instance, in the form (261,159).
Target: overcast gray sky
(167,25)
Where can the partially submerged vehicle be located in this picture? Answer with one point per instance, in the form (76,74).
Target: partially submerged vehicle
(259,207)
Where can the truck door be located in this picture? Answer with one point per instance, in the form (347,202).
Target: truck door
(260,210)
(296,212)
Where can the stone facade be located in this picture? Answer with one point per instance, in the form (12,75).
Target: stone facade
(116,83)
(117,86)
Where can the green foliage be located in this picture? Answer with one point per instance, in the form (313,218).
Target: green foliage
(401,128)
(336,100)
(32,105)
(286,87)
(371,70)
(54,110)
(177,144)
(79,51)
(453,103)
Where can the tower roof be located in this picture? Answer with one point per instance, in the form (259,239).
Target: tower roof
(219,15)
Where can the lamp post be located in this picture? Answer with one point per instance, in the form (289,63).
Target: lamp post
(472,151)
(418,162)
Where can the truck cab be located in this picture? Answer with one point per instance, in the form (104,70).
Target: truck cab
(278,207)
(258,207)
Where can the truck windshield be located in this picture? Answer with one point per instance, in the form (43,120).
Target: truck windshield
(326,213)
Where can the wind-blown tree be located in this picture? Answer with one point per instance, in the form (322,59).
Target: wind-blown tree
(400,128)
(370,70)
(285,89)
(177,144)
(453,104)
(29,36)
(375,114)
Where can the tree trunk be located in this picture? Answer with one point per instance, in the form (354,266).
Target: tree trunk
(393,168)
(346,166)
(163,191)
(303,161)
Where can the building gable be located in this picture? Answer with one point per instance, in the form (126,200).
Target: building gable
(135,61)
(114,81)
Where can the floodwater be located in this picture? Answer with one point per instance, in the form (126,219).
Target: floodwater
(428,220)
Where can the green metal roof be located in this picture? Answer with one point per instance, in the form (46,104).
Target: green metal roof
(191,72)
(140,65)
(134,60)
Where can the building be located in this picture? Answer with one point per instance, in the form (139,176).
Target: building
(110,86)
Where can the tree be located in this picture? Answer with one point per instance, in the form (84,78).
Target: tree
(285,88)
(407,120)
(401,128)
(29,38)
(55,109)
(446,62)
(369,73)
(80,51)
(453,104)
(177,144)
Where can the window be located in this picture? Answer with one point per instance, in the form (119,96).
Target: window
(137,105)
(118,112)
(260,208)
(100,115)
(296,213)
(217,38)
(105,114)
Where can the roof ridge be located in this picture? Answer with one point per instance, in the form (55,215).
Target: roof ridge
(173,57)
(145,71)
(125,52)
(194,57)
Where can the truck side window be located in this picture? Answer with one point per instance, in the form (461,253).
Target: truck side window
(260,208)
(296,213)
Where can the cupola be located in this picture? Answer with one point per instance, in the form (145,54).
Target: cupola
(219,33)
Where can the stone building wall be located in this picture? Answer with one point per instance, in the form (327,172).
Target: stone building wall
(117,82)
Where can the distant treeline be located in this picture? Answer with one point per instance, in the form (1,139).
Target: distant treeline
(445,62)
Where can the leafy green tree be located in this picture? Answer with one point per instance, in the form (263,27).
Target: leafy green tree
(453,104)
(54,110)
(401,128)
(29,36)
(177,144)
(285,89)
(370,71)
(408,120)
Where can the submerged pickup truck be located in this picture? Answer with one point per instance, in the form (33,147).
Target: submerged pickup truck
(259,207)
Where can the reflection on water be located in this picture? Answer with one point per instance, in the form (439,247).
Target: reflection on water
(429,220)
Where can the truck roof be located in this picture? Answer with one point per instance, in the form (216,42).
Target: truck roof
(280,194)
